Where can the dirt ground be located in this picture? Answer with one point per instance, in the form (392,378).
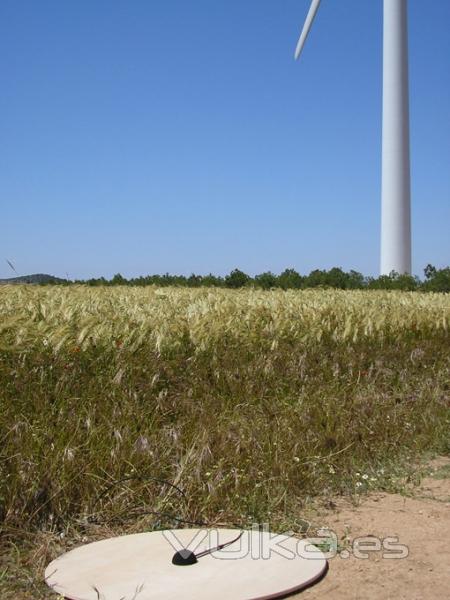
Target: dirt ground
(421,522)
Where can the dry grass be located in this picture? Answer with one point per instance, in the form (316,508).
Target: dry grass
(250,402)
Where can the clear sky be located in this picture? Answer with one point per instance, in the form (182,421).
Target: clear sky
(145,136)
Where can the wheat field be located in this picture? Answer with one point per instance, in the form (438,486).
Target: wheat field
(164,319)
(137,408)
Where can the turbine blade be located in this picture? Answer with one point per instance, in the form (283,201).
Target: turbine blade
(306,27)
(11,265)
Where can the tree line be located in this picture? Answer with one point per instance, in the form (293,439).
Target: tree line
(435,280)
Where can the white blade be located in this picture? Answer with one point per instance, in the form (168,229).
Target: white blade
(307,26)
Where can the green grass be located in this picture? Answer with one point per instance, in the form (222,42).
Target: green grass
(93,435)
(442,472)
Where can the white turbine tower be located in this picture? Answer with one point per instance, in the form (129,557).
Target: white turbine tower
(396,188)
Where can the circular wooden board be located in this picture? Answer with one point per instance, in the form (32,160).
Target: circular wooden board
(259,566)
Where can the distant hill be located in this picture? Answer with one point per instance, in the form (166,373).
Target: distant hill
(38,278)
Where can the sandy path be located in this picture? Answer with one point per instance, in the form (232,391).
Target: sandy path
(421,522)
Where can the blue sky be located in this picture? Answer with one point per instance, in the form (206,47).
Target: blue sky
(145,136)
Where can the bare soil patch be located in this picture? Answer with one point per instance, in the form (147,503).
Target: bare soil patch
(420,521)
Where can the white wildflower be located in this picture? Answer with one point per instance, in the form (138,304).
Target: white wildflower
(69,454)
(142,444)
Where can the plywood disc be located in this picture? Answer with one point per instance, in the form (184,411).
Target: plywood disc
(257,566)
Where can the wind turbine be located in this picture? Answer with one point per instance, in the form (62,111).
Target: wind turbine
(395,187)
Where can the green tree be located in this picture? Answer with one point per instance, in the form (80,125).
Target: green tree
(356,280)
(266,280)
(336,278)
(237,279)
(194,280)
(438,280)
(429,271)
(212,281)
(394,281)
(316,278)
(290,280)
(118,280)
